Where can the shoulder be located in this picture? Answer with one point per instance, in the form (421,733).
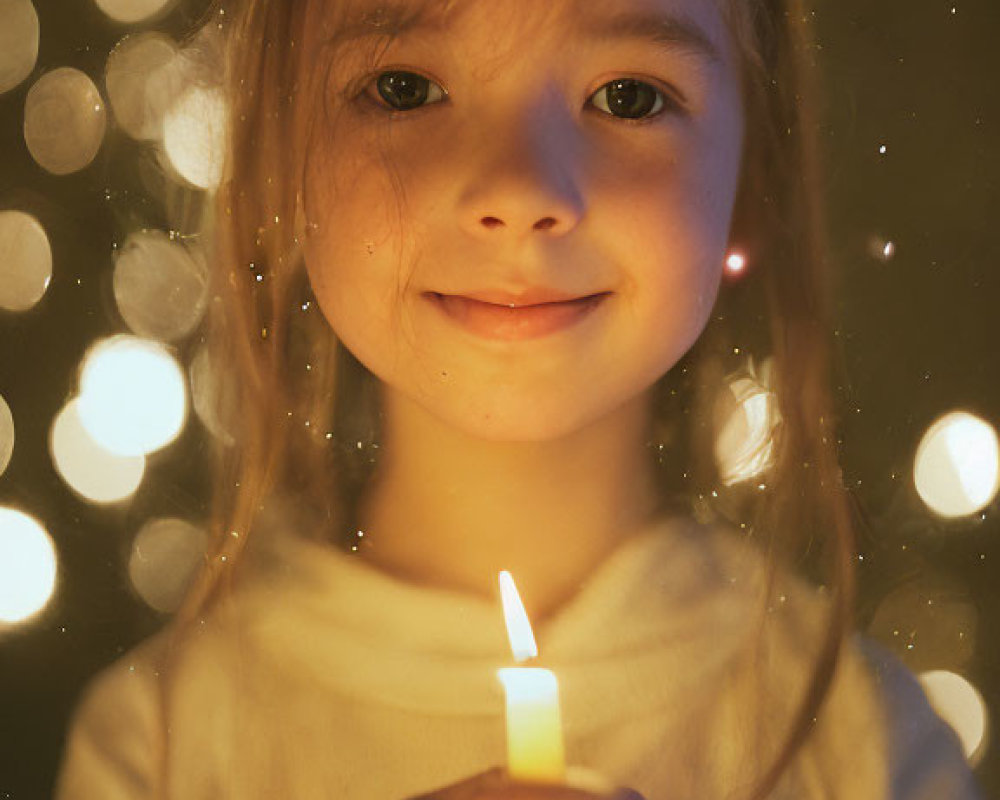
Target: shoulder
(926,759)
(112,735)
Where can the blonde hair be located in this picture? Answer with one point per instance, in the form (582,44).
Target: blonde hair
(293,426)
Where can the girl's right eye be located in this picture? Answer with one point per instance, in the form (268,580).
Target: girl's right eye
(405,91)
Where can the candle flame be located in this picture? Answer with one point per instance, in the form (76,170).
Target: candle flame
(522,640)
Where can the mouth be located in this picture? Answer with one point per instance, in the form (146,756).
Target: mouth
(515,319)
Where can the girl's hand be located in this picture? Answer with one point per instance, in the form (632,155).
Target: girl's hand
(495,785)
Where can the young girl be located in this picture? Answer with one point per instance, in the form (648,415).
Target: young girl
(469,313)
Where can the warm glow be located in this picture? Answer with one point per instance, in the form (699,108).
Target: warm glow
(522,640)
(930,619)
(746,416)
(881,248)
(64,121)
(130,11)
(165,556)
(133,397)
(535,750)
(144,74)
(27,566)
(957,465)
(18,42)
(160,286)
(25,261)
(6,434)
(194,136)
(212,397)
(735,263)
(959,704)
(89,469)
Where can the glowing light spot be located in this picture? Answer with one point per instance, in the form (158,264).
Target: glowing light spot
(194,136)
(18,42)
(213,397)
(6,435)
(934,612)
(735,263)
(89,469)
(129,11)
(25,261)
(27,566)
(746,415)
(957,465)
(882,149)
(160,286)
(881,248)
(522,639)
(144,74)
(133,397)
(165,557)
(959,704)
(64,121)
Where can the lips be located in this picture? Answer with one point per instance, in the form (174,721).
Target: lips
(516,317)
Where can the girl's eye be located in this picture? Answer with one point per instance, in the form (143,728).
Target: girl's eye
(628,98)
(624,98)
(404,91)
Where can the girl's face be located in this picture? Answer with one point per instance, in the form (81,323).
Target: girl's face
(569,146)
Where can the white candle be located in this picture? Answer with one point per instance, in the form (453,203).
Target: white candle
(534,726)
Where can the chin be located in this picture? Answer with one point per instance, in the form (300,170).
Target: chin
(529,422)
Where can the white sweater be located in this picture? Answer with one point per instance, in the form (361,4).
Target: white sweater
(325,678)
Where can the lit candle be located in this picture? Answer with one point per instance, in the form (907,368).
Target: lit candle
(534,728)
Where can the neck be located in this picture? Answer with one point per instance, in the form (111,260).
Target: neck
(449,510)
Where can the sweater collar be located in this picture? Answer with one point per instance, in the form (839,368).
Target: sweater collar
(675,594)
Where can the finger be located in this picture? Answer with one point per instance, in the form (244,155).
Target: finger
(627,794)
(468,789)
(547,791)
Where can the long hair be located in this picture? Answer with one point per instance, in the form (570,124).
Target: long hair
(301,408)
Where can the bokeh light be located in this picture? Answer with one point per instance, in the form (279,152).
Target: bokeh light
(166,554)
(6,434)
(881,248)
(129,11)
(959,704)
(25,261)
(735,263)
(18,42)
(746,415)
(143,76)
(89,469)
(930,621)
(27,566)
(957,465)
(64,121)
(213,404)
(194,136)
(160,286)
(133,396)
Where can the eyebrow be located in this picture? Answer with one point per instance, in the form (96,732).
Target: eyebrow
(667,31)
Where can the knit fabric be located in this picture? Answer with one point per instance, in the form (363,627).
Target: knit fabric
(322,677)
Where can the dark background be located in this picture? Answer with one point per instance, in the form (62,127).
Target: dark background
(918,333)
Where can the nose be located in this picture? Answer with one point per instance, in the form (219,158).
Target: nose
(525,180)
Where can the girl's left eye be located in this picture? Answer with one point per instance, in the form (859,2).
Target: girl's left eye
(629,99)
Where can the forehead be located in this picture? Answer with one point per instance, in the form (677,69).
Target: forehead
(693,27)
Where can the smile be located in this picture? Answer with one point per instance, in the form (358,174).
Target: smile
(514,322)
